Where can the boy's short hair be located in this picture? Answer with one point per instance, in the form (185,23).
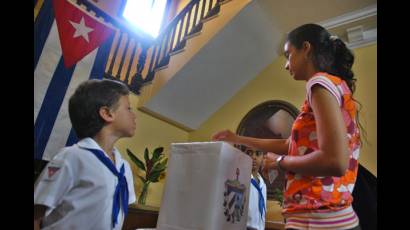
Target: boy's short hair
(88,98)
(245,149)
(241,147)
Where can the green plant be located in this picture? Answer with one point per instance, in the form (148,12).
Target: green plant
(278,195)
(153,167)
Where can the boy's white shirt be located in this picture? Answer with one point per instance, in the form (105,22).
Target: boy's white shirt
(79,193)
(254,217)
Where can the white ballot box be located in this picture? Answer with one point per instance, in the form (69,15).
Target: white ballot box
(207,188)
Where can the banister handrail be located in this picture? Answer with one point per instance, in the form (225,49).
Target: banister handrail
(178,17)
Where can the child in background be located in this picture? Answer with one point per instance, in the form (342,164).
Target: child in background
(257,193)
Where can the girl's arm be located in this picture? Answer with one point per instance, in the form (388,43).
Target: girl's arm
(279,146)
(332,158)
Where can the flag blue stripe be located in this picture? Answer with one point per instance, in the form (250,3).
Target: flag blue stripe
(50,107)
(42,27)
(72,138)
(97,72)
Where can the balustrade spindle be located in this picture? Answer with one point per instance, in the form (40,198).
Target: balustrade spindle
(159,52)
(141,60)
(172,39)
(179,32)
(210,6)
(123,58)
(115,54)
(196,5)
(164,50)
(131,61)
(187,22)
(137,81)
(166,43)
(153,56)
(203,9)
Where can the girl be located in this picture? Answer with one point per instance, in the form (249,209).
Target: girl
(321,155)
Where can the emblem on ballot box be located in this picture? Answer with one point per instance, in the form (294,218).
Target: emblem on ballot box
(235,199)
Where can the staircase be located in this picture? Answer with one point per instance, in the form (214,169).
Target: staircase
(173,74)
(135,58)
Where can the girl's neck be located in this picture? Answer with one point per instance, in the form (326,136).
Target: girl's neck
(310,71)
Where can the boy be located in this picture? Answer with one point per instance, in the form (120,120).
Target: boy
(257,193)
(89,185)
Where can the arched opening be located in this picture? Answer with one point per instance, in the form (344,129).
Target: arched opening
(271,119)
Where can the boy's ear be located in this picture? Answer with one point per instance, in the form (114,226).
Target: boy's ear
(105,114)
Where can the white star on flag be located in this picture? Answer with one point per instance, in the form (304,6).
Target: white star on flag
(81,29)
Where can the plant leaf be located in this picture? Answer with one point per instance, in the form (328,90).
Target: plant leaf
(161,166)
(135,159)
(162,176)
(160,157)
(154,176)
(146,156)
(158,170)
(157,153)
(142,178)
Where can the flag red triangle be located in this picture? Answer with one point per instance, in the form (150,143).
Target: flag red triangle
(79,32)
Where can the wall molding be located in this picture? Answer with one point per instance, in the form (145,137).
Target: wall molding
(368,37)
(350,17)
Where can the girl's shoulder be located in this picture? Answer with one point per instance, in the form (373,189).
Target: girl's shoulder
(333,78)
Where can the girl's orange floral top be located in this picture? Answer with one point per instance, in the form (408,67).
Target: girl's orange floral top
(317,194)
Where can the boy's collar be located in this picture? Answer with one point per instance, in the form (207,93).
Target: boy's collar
(90,143)
(259,176)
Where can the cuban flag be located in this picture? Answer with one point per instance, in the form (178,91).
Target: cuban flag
(70,47)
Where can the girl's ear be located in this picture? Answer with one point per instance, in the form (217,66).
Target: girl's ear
(307,48)
(105,114)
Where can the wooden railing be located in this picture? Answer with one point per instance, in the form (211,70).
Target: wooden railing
(140,45)
(173,37)
(140,52)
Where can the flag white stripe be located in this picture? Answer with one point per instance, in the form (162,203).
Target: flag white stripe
(62,125)
(46,66)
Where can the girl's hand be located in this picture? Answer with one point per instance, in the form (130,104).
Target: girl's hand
(269,162)
(225,135)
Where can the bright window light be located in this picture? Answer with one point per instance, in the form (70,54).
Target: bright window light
(145,14)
